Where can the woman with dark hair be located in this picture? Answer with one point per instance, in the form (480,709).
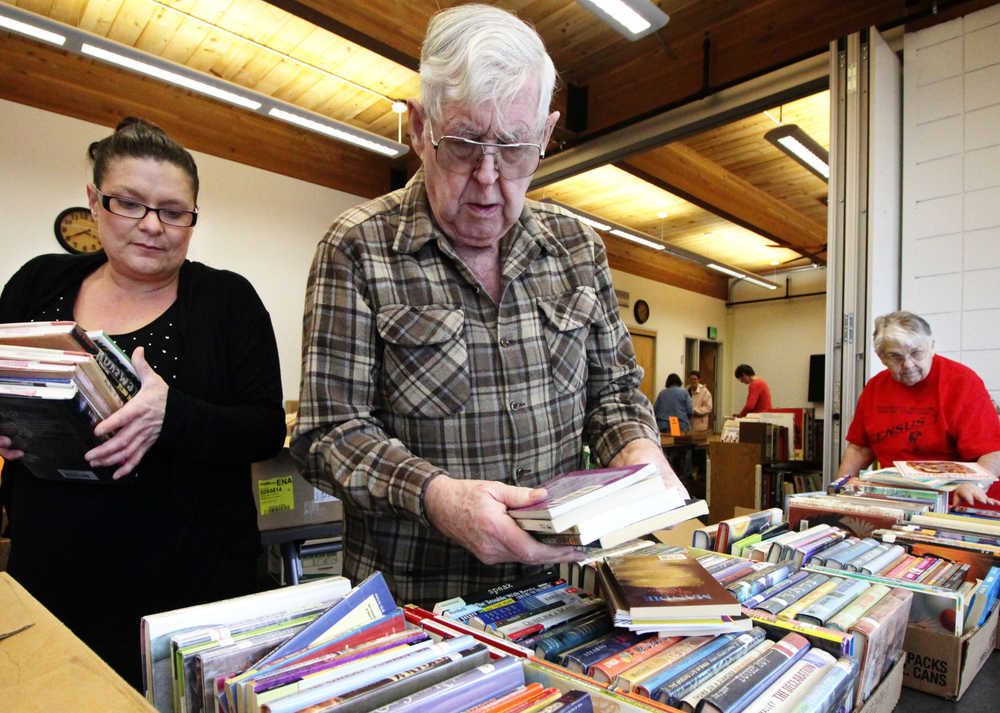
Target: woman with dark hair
(177,526)
(674,400)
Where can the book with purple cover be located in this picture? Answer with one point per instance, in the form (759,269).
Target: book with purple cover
(568,491)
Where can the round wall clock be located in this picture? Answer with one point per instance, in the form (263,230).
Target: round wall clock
(641,311)
(76,231)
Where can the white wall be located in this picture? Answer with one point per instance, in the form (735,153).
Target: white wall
(674,314)
(951,187)
(260,224)
(777,337)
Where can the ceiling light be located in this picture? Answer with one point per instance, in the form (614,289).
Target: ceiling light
(24,28)
(399,107)
(726,270)
(775,262)
(637,239)
(632,18)
(661,214)
(168,76)
(81,42)
(803,148)
(760,283)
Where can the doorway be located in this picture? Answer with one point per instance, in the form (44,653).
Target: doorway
(645,355)
(705,354)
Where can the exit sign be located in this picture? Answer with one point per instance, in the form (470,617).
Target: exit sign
(713,332)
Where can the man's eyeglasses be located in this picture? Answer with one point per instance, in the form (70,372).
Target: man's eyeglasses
(460,155)
(128,208)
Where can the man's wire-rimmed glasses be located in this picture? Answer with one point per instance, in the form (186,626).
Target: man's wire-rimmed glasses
(128,208)
(460,155)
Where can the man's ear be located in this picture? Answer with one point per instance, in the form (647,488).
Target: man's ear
(550,125)
(417,119)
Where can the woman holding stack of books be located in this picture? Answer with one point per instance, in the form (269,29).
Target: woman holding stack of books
(177,525)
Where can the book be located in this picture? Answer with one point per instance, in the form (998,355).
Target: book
(672,691)
(943,470)
(880,562)
(556,641)
(448,629)
(759,580)
(755,678)
(846,617)
(569,491)
(736,528)
(613,538)
(476,600)
(838,643)
(632,677)
(860,521)
(704,538)
(824,608)
(792,579)
(649,645)
(987,595)
(649,685)
(793,684)
(691,699)
(833,683)
(581,659)
(156,629)
(670,586)
(792,610)
(789,596)
(823,558)
(879,638)
(962,523)
(845,558)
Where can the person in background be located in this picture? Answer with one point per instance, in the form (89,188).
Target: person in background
(922,407)
(462,343)
(758,392)
(701,402)
(674,401)
(181,528)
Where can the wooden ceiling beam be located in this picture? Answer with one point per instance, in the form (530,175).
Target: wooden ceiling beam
(688,174)
(55,80)
(644,262)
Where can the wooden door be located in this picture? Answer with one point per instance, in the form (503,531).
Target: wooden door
(707,359)
(645,355)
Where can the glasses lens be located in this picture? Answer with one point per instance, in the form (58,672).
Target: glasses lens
(131,209)
(124,208)
(461,156)
(179,218)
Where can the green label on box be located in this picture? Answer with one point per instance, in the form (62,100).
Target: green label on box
(276,494)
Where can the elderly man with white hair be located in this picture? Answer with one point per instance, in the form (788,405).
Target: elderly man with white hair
(923,407)
(461,343)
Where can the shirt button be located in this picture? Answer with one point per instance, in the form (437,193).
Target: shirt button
(516,405)
(504,342)
(521,472)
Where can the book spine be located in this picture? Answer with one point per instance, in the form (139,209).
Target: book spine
(835,642)
(792,611)
(557,641)
(649,686)
(673,690)
(793,683)
(776,588)
(791,595)
(830,686)
(581,660)
(916,572)
(749,682)
(955,579)
(901,566)
(856,563)
(882,561)
(759,581)
(820,611)
(506,610)
(843,619)
(605,671)
(549,619)
(691,699)
(628,680)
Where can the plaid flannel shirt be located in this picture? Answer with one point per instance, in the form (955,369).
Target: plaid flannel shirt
(410,370)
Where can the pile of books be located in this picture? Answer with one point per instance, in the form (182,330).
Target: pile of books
(740,533)
(324,647)
(608,506)
(859,515)
(57,382)
(667,591)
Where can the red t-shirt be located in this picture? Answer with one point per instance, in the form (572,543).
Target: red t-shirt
(947,416)
(758,397)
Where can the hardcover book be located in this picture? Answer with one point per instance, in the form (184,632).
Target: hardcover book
(672,691)
(879,635)
(649,686)
(630,679)
(746,685)
(833,684)
(793,684)
(943,470)
(581,659)
(824,608)
(691,699)
(607,670)
(739,527)
(786,598)
(668,586)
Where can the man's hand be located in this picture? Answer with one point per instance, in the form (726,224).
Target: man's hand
(7,451)
(643,450)
(136,425)
(474,514)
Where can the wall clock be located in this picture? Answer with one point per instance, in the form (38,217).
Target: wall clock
(76,231)
(641,311)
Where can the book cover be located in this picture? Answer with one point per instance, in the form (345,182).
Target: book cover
(581,659)
(671,586)
(691,699)
(736,528)
(755,678)
(845,618)
(792,610)
(793,684)
(789,596)
(569,491)
(879,634)
(649,685)
(824,608)
(943,470)
(792,579)
(632,677)
(560,639)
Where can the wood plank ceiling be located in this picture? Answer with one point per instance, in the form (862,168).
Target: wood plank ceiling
(725,193)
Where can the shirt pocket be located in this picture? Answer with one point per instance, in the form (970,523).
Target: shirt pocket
(566,324)
(425,369)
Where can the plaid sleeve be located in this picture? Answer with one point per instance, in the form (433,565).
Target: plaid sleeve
(338,437)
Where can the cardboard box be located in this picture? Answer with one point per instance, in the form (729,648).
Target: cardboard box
(945,665)
(886,695)
(312,565)
(46,668)
(285,499)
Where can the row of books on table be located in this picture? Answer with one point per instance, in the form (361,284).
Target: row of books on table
(57,382)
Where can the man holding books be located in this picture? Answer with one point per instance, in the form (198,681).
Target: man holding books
(922,407)
(461,343)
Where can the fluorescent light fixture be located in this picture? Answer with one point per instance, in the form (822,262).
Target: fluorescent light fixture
(78,41)
(726,270)
(632,18)
(24,28)
(168,76)
(323,127)
(795,142)
(637,239)
(760,283)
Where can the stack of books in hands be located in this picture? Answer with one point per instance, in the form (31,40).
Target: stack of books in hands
(666,590)
(57,382)
(609,506)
